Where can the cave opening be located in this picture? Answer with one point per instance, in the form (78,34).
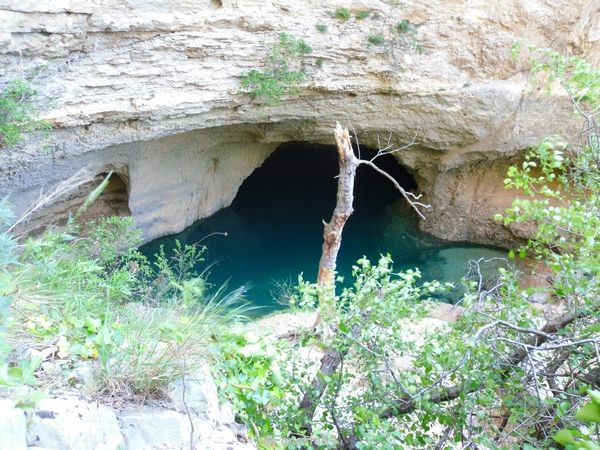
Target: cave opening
(113,201)
(274,225)
(273,230)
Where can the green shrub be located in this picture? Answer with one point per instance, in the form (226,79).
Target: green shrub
(321,27)
(406,36)
(249,376)
(141,349)
(376,39)
(343,14)
(269,85)
(362,14)
(576,439)
(99,299)
(18,113)
(404,26)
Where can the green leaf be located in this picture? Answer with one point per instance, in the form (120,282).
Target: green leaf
(590,412)
(595,396)
(564,437)
(344,328)
(16,373)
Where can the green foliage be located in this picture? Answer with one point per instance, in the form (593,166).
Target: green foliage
(583,438)
(362,14)
(406,34)
(251,379)
(405,27)
(343,14)
(99,299)
(515,49)
(142,349)
(279,76)
(562,183)
(270,377)
(321,27)
(476,382)
(18,113)
(376,39)
(577,76)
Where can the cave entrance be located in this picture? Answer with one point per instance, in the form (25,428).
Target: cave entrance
(275,224)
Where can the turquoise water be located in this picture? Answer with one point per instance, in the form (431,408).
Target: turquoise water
(274,227)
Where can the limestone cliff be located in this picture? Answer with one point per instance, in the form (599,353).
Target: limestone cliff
(150,89)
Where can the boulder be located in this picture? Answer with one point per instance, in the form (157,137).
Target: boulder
(13,426)
(73,423)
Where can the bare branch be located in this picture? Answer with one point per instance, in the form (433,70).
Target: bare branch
(408,196)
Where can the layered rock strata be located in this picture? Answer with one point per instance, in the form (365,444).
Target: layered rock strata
(151,90)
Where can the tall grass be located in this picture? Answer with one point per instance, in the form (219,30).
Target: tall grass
(95,297)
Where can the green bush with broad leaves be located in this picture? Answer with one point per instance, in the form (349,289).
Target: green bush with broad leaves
(501,375)
(585,438)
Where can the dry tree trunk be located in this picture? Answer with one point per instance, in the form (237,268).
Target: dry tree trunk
(332,240)
(332,234)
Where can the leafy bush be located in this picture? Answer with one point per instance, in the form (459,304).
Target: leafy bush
(98,298)
(321,27)
(249,376)
(502,375)
(404,26)
(343,14)
(376,39)
(17,112)
(278,78)
(583,439)
(362,14)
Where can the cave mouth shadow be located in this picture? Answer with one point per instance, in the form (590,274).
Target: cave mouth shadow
(298,182)
(112,201)
(275,222)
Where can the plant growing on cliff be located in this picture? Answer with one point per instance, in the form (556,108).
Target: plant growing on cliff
(375,39)
(362,14)
(321,27)
(343,14)
(18,113)
(281,75)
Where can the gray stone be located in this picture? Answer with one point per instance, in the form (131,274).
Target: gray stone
(197,393)
(71,423)
(149,428)
(13,426)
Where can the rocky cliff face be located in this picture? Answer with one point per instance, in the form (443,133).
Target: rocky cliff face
(150,89)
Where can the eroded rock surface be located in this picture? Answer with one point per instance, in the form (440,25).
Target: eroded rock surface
(151,90)
(190,417)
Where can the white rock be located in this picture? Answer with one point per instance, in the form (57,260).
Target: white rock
(158,428)
(151,89)
(71,423)
(149,428)
(197,394)
(84,374)
(13,426)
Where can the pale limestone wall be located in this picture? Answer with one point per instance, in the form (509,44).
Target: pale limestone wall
(150,88)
